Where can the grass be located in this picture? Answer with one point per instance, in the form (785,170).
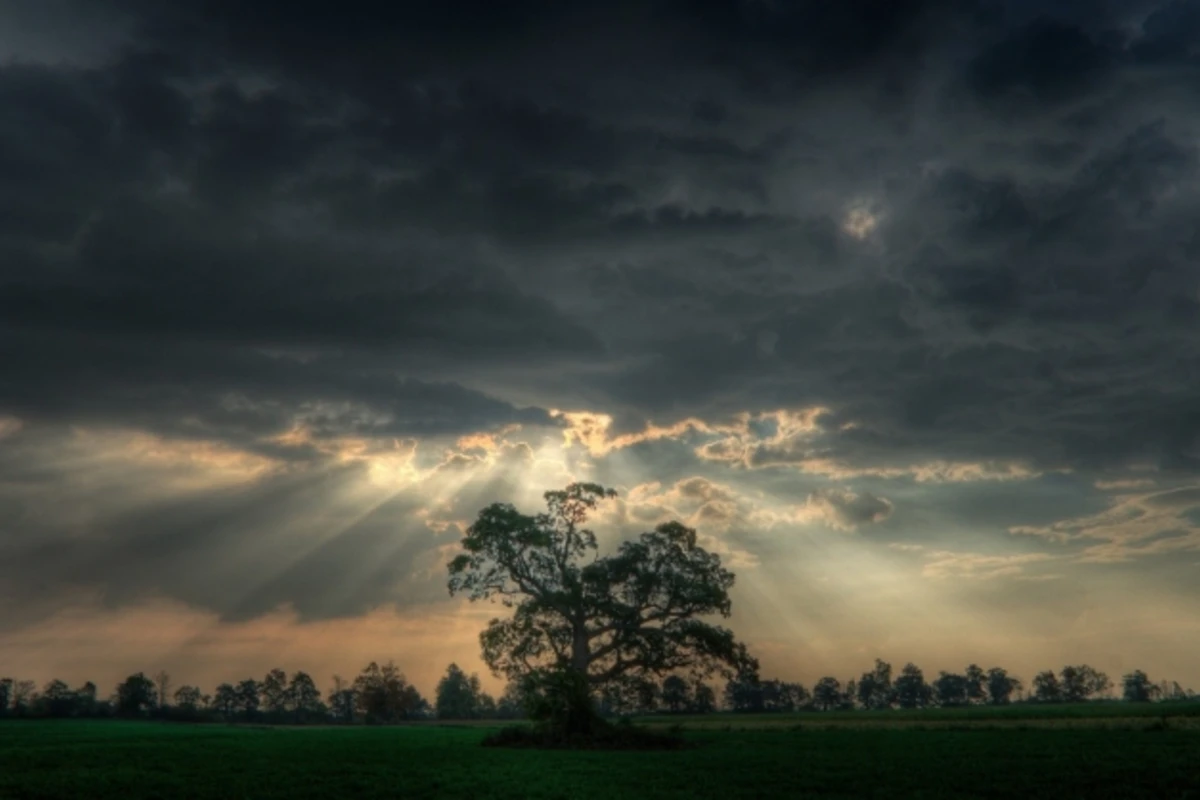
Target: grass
(1080,715)
(800,755)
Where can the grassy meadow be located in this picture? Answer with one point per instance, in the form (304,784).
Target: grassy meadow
(1094,751)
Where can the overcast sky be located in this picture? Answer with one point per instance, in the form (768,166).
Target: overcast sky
(896,301)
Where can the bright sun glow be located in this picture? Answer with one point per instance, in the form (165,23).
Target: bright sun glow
(860,223)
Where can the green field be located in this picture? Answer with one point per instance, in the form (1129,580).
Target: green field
(1102,754)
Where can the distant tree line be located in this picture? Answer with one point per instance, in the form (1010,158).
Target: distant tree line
(382,694)
(379,694)
(878,689)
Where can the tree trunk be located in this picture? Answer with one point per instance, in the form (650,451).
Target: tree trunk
(581,716)
(579,651)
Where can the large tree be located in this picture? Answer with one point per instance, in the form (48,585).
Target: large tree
(589,619)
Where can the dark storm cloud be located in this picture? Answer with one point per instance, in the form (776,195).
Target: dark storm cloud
(967,227)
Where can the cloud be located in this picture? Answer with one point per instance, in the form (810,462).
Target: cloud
(976,566)
(1135,525)
(846,510)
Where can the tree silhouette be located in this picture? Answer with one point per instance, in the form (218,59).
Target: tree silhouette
(248,697)
(627,616)
(675,693)
(1046,687)
(951,689)
(343,699)
(1138,688)
(744,693)
(911,689)
(187,698)
(303,697)
(1078,683)
(384,694)
(875,687)
(135,695)
(162,684)
(85,699)
(458,695)
(827,693)
(849,695)
(57,699)
(704,699)
(225,700)
(1000,686)
(511,704)
(22,696)
(976,684)
(273,690)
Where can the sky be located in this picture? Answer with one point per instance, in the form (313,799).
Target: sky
(897,302)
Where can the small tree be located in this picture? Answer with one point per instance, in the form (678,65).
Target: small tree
(274,693)
(1000,686)
(56,700)
(744,694)
(162,683)
(384,694)
(849,692)
(704,699)
(911,689)
(1138,688)
(23,693)
(85,699)
(457,695)
(976,684)
(1046,688)
(303,697)
(1080,683)
(675,693)
(511,704)
(249,697)
(875,687)
(827,694)
(225,700)
(135,695)
(951,690)
(343,699)
(187,698)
